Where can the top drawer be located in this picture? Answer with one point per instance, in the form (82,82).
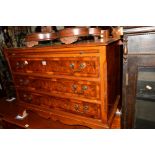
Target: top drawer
(77,66)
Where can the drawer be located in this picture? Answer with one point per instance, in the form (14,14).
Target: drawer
(81,88)
(77,66)
(72,106)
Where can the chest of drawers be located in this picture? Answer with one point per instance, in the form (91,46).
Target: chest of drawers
(75,84)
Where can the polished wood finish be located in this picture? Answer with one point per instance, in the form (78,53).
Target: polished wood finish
(67,87)
(70,35)
(105,34)
(116,124)
(34,38)
(8,112)
(74,84)
(95,31)
(41,36)
(139,50)
(77,31)
(83,66)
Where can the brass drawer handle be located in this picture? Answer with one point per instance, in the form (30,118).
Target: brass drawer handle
(72,65)
(82,65)
(85,108)
(21,64)
(76,107)
(74,87)
(84,87)
(24,64)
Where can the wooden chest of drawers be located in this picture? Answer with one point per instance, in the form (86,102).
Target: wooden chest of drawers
(75,84)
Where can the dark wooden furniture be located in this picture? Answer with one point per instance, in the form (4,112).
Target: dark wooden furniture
(6,84)
(76,84)
(139,78)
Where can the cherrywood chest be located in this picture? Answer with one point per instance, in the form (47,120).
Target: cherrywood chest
(76,84)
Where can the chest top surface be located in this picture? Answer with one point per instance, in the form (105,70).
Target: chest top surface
(86,44)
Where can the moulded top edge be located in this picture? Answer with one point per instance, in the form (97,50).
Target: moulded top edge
(57,46)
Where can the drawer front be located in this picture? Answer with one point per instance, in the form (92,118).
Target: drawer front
(86,89)
(72,106)
(78,66)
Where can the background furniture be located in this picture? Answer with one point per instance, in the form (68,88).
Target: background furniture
(139,78)
(6,84)
(10,36)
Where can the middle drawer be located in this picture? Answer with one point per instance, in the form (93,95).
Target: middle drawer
(77,88)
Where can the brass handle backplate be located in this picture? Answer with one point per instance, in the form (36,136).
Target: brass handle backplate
(72,65)
(76,107)
(21,64)
(85,108)
(84,87)
(81,66)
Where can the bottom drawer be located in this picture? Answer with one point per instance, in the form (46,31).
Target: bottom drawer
(68,105)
